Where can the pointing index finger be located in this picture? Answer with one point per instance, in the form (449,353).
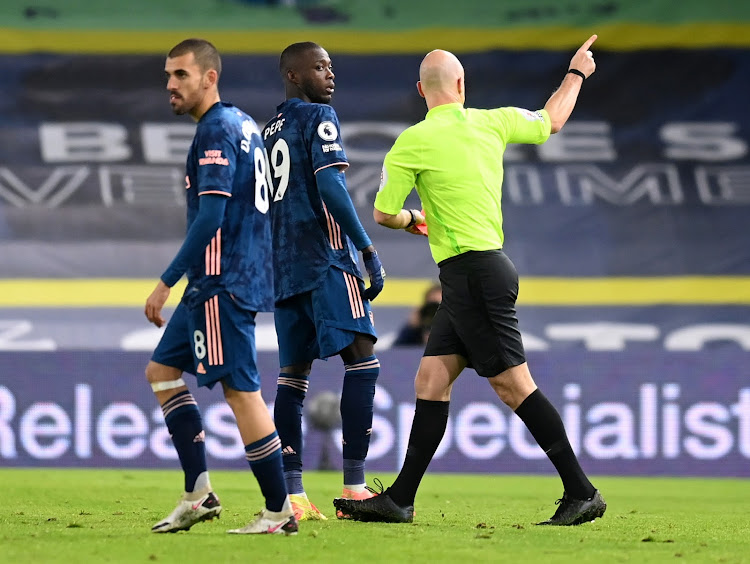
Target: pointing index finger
(589,43)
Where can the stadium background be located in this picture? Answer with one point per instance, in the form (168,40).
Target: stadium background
(629,229)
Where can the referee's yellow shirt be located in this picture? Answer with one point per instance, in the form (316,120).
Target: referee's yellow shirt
(454,158)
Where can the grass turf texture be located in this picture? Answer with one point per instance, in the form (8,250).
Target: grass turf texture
(71,515)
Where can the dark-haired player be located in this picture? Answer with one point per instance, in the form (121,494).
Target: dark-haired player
(322,306)
(226,255)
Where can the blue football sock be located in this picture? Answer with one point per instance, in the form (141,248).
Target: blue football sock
(354,472)
(293,479)
(184,423)
(264,457)
(287,412)
(357,398)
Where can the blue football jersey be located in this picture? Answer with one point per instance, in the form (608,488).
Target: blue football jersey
(300,140)
(227,158)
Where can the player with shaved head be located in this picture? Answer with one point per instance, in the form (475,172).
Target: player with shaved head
(454,159)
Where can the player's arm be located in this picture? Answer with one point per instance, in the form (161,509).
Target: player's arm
(329,162)
(332,187)
(214,177)
(202,230)
(214,180)
(560,105)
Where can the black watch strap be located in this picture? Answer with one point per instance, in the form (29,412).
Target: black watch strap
(577,72)
(413,219)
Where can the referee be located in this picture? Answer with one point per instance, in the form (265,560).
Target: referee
(454,158)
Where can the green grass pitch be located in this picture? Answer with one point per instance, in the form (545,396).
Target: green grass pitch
(73,515)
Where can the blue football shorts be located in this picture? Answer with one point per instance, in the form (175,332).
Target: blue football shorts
(324,321)
(214,341)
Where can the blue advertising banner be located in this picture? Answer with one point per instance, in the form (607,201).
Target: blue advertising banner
(634,413)
(654,329)
(648,178)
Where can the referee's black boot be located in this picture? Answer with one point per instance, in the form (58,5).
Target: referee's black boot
(576,511)
(380,508)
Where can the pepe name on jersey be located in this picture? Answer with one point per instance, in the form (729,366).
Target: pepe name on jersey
(302,139)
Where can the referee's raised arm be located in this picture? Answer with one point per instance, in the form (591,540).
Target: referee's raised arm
(560,105)
(454,160)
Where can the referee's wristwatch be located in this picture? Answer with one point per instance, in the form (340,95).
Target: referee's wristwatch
(413,220)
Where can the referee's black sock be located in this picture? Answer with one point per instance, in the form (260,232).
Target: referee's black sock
(427,430)
(546,426)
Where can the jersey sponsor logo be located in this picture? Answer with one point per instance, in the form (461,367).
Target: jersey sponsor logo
(213,156)
(331,147)
(327,131)
(530,116)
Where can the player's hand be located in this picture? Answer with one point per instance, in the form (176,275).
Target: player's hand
(155,303)
(377,275)
(583,60)
(414,229)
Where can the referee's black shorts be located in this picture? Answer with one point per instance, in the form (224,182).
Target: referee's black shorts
(477,317)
